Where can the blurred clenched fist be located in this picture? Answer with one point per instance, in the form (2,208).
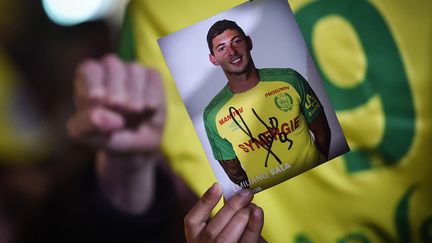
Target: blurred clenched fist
(119,106)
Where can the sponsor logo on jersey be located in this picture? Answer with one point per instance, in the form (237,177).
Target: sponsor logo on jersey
(275,91)
(284,102)
(311,102)
(228,117)
(266,137)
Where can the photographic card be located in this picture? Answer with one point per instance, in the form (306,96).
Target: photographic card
(254,95)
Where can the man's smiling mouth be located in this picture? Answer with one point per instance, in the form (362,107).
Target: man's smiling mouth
(236,60)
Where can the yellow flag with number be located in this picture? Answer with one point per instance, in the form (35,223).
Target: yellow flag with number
(375,59)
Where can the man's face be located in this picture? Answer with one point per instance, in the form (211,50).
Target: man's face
(231,51)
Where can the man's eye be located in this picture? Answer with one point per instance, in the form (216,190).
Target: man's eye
(237,41)
(220,49)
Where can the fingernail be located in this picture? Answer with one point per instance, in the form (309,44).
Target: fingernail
(245,193)
(214,188)
(257,211)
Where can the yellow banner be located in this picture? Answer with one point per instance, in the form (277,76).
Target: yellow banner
(375,58)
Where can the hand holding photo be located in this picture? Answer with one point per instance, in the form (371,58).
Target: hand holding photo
(259,126)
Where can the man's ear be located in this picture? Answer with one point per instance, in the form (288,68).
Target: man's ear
(213,60)
(249,43)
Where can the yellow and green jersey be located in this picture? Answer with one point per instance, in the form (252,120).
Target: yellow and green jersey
(266,127)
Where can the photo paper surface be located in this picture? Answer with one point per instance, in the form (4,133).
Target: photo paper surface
(254,95)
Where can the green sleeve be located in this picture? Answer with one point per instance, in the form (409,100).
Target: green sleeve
(222,149)
(310,105)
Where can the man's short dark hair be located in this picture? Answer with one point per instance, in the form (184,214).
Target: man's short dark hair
(218,28)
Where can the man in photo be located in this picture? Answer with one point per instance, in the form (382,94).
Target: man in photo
(269,119)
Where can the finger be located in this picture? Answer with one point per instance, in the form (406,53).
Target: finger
(254,227)
(153,90)
(115,79)
(196,219)
(235,228)
(127,140)
(231,207)
(155,120)
(93,121)
(89,83)
(134,86)
(154,99)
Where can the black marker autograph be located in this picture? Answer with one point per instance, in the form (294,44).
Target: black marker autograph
(272,130)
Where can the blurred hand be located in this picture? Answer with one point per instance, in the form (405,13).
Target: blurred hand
(239,220)
(120,106)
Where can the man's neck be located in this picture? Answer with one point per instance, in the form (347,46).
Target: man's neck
(239,83)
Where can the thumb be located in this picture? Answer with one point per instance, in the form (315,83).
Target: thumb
(93,121)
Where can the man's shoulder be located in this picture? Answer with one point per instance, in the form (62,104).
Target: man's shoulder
(279,74)
(217,102)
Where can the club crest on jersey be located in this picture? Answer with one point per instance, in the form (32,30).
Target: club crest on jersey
(284,102)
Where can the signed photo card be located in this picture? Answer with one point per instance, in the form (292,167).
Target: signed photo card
(254,95)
